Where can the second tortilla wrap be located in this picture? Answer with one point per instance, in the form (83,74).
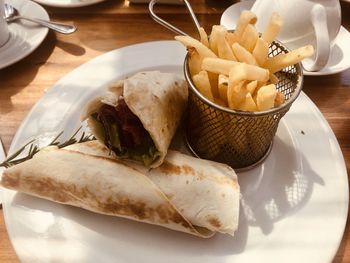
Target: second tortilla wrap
(184,194)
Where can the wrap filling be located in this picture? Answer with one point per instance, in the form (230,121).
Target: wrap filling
(123,133)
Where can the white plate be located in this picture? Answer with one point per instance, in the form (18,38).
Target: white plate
(25,37)
(340,53)
(68,3)
(294,206)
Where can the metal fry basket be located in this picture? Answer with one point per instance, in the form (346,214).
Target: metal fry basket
(237,138)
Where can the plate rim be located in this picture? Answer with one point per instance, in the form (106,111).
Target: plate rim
(101,57)
(56,3)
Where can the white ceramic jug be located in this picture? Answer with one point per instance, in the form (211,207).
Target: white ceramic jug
(315,22)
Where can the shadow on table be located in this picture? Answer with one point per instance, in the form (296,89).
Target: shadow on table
(24,70)
(71,48)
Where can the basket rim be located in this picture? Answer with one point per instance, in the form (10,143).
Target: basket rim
(282,107)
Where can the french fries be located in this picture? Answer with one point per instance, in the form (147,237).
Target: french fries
(261,51)
(194,61)
(201,48)
(249,37)
(265,98)
(218,65)
(273,28)
(224,49)
(203,37)
(243,55)
(233,69)
(282,61)
(246,18)
(201,80)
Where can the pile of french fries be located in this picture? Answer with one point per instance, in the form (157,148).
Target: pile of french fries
(233,69)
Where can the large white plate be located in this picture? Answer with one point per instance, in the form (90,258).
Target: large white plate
(340,52)
(25,36)
(68,3)
(293,207)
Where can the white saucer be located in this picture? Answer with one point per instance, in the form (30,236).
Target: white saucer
(340,53)
(68,3)
(25,37)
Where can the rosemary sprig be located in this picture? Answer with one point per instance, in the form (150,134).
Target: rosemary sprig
(34,149)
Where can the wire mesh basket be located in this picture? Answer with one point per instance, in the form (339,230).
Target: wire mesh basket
(237,138)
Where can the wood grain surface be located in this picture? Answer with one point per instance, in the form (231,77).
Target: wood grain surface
(114,24)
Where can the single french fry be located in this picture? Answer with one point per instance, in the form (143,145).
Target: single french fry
(265,98)
(237,74)
(273,28)
(261,51)
(251,86)
(281,61)
(224,66)
(218,65)
(247,17)
(249,38)
(222,87)
(248,72)
(279,99)
(213,79)
(220,102)
(243,55)
(231,38)
(249,104)
(235,94)
(194,61)
(203,37)
(202,50)
(201,81)
(224,49)
(213,39)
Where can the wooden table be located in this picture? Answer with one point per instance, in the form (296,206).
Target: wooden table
(114,24)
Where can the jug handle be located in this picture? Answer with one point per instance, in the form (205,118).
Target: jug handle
(322,50)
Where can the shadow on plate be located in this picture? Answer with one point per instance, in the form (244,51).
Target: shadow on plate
(278,188)
(117,234)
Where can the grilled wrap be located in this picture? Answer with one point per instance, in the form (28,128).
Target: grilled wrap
(185,193)
(137,117)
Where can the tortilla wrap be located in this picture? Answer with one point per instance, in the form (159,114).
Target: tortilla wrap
(185,193)
(157,99)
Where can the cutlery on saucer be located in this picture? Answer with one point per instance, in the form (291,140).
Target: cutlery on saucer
(12,14)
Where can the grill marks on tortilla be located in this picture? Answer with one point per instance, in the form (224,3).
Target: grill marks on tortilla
(169,168)
(215,222)
(140,210)
(85,196)
(65,193)
(10,181)
(59,192)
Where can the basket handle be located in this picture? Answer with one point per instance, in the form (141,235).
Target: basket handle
(168,25)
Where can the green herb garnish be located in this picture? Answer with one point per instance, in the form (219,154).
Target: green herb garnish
(34,149)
